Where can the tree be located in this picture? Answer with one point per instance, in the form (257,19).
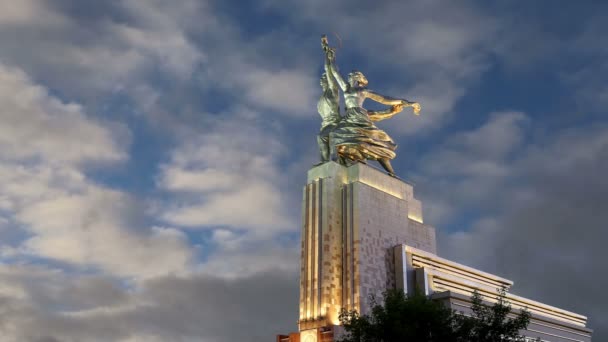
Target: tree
(401,318)
(417,318)
(492,323)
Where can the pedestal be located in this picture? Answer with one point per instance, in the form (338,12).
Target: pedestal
(352,218)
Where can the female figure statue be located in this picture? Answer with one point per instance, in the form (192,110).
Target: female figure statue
(356,138)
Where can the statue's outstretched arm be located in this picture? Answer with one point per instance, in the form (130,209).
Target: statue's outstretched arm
(379,115)
(392,101)
(384,99)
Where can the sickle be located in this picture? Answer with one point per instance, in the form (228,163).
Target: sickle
(339,40)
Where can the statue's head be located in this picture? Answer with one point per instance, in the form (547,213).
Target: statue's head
(324,82)
(357,79)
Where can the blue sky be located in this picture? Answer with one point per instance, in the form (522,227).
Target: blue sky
(152,154)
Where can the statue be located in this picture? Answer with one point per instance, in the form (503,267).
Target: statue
(355,138)
(329,109)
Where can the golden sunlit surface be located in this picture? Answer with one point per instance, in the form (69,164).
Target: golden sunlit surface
(415,218)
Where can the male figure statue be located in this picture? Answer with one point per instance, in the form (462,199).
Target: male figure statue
(328,107)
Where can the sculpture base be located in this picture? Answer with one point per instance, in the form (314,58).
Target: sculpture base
(352,218)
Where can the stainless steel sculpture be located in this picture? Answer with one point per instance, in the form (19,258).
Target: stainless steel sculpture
(355,138)
(328,107)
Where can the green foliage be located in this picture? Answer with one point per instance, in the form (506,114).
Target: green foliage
(492,323)
(416,318)
(401,318)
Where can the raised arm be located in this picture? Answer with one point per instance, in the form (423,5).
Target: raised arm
(331,80)
(334,70)
(330,64)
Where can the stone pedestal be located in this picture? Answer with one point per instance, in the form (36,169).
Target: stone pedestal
(352,218)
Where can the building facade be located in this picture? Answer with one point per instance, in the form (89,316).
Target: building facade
(363,232)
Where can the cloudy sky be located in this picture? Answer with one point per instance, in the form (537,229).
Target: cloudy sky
(152,154)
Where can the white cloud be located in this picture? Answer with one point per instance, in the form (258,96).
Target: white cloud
(242,255)
(251,259)
(91,229)
(284,83)
(49,305)
(245,194)
(87,225)
(186,40)
(470,166)
(86,58)
(34,124)
(481,152)
(284,91)
(28,12)
(256,205)
(183,180)
(44,145)
(545,212)
(169,49)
